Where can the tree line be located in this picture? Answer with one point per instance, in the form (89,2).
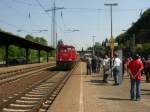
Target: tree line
(136,39)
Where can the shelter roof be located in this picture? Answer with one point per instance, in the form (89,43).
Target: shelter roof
(10,39)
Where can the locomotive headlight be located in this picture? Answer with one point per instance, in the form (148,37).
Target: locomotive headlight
(70,59)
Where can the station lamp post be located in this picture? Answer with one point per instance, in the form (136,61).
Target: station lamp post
(111,4)
(112,40)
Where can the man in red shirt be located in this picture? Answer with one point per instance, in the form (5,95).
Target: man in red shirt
(135,67)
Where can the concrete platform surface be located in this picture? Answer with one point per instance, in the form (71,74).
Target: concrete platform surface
(87,93)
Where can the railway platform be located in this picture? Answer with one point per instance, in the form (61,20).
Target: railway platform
(87,93)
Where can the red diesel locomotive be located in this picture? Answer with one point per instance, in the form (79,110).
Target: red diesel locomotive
(66,57)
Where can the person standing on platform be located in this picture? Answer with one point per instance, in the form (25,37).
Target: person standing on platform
(94,63)
(135,68)
(89,65)
(117,69)
(147,69)
(106,68)
(99,64)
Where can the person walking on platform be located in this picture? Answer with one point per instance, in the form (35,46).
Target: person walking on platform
(147,69)
(106,68)
(117,69)
(89,65)
(99,64)
(94,64)
(135,68)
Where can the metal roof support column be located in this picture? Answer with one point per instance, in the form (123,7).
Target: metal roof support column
(27,55)
(39,56)
(47,56)
(6,54)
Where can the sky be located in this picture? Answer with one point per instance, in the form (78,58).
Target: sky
(91,18)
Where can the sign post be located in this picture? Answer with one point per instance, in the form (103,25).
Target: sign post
(112,45)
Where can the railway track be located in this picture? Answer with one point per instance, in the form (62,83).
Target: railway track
(38,97)
(20,73)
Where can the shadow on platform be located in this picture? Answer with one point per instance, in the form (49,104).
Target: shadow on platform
(120,99)
(96,82)
(145,92)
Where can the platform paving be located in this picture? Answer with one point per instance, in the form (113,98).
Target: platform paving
(87,93)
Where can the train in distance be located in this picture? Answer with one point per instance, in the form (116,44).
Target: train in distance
(66,57)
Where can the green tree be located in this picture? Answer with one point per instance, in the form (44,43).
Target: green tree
(33,53)
(29,37)
(41,40)
(137,34)
(15,51)
(100,49)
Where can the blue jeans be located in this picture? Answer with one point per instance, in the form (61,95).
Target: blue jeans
(117,75)
(136,83)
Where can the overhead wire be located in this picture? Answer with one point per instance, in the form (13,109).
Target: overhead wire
(12,25)
(42,7)
(28,16)
(17,12)
(101,9)
(83,9)
(38,28)
(22,2)
(62,19)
